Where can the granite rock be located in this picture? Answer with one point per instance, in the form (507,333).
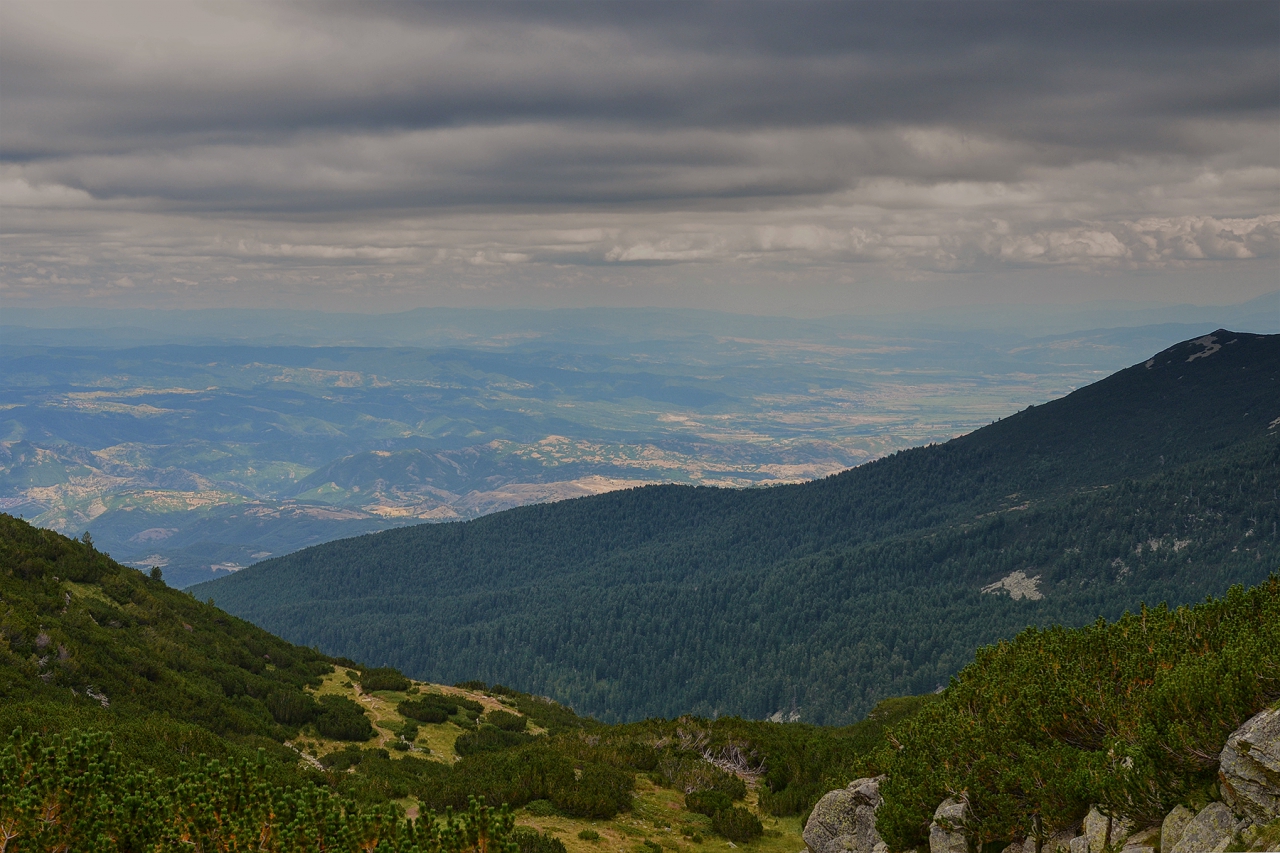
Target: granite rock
(1102,831)
(844,821)
(1249,768)
(1210,831)
(1174,823)
(947,832)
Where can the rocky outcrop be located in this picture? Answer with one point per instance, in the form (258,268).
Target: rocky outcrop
(1144,841)
(1210,831)
(947,832)
(1059,842)
(1102,832)
(1174,824)
(1249,768)
(844,821)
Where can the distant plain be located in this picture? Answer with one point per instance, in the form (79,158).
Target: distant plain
(202,442)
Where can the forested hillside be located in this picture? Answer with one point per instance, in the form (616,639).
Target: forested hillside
(141,719)
(1157,484)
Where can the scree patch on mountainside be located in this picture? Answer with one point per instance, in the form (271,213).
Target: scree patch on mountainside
(1157,484)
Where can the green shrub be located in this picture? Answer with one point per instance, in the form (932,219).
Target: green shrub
(695,774)
(341,759)
(506,721)
(78,793)
(488,739)
(383,678)
(530,841)
(648,846)
(541,808)
(589,835)
(599,792)
(737,824)
(1127,715)
(789,801)
(473,686)
(291,707)
(341,719)
(425,711)
(707,802)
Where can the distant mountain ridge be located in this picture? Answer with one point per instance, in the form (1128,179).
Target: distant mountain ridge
(1156,483)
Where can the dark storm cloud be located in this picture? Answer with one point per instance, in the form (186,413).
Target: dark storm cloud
(1071,72)
(938,136)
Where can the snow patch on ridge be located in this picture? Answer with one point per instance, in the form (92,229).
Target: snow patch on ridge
(1210,347)
(1018,585)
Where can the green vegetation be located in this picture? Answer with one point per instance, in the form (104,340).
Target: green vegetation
(165,695)
(506,721)
(737,824)
(78,793)
(530,841)
(157,719)
(1156,484)
(383,678)
(1129,715)
(86,643)
(341,719)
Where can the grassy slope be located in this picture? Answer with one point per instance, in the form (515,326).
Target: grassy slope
(658,813)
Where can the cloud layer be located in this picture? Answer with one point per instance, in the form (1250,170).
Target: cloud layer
(353,154)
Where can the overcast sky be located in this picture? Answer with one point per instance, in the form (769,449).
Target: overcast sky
(782,157)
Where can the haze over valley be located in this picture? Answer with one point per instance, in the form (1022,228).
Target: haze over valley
(207,456)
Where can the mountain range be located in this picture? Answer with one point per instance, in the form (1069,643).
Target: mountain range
(1156,484)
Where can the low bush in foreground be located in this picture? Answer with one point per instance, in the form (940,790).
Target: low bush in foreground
(1129,715)
(76,793)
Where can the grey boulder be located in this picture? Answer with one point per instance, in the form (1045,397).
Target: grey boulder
(1102,831)
(1249,768)
(947,832)
(1210,831)
(845,820)
(1174,824)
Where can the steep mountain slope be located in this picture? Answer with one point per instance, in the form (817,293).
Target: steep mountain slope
(1157,484)
(87,642)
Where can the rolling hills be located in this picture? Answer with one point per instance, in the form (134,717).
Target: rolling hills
(1154,484)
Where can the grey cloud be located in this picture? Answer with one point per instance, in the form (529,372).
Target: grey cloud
(209,71)
(147,142)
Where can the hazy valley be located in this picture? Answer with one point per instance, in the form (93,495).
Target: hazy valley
(200,452)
